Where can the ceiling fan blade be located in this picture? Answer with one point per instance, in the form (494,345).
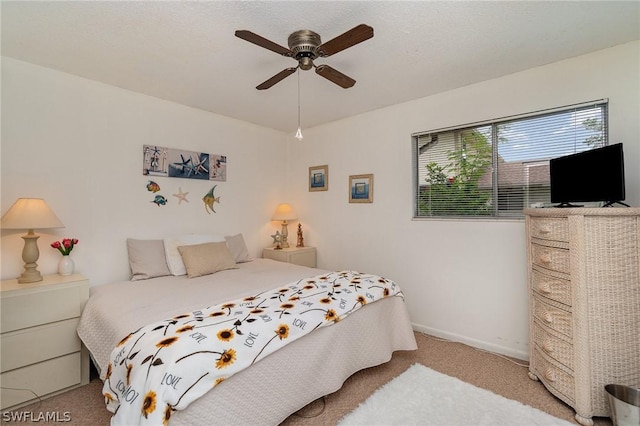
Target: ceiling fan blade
(263,42)
(276,78)
(352,37)
(335,76)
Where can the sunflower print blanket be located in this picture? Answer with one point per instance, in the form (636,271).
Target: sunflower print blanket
(165,366)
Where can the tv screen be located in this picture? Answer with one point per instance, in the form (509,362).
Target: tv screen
(590,176)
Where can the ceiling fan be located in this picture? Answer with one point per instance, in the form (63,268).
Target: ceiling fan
(305,46)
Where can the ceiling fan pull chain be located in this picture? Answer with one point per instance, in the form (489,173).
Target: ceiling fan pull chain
(299,132)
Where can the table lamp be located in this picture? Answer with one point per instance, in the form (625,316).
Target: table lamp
(284,212)
(30,214)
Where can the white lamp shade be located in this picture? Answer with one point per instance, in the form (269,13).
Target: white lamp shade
(284,212)
(30,213)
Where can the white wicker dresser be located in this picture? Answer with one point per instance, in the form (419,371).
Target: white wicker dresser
(584,298)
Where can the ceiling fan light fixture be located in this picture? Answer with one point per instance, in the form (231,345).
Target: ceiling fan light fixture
(306,63)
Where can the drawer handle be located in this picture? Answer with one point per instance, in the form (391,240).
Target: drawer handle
(550,375)
(544,288)
(545,231)
(545,258)
(547,317)
(547,346)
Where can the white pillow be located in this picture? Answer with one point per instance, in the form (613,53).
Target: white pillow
(174,259)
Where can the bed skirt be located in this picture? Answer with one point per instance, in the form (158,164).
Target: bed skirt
(278,386)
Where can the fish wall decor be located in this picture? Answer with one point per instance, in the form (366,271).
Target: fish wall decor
(159,200)
(209,199)
(153,187)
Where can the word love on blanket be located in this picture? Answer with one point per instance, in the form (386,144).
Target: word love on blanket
(167,365)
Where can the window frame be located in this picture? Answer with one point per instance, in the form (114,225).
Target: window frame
(495,212)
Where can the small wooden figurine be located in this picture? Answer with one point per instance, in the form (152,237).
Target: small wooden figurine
(300,239)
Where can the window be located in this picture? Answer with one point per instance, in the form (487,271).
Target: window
(497,168)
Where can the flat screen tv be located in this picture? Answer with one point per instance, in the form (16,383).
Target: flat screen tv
(596,175)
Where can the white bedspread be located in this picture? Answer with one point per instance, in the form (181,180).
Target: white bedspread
(312,365)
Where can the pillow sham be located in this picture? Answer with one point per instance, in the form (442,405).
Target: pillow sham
(174,259)
(238,248)
(206,259)
(147,259)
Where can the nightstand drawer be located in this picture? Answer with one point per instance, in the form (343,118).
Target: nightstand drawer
(556,259)
(303,256)
(25,347)
(42,378)
(554,229)
(307,258)
(42,305)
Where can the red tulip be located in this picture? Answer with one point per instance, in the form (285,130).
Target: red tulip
(65,246)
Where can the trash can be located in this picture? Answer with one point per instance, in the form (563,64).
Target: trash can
(624,402)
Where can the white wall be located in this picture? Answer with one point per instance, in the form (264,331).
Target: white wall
(78,144)
(464,279)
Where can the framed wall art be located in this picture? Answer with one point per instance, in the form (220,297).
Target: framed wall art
(318,178)
(361,188)
(169,162)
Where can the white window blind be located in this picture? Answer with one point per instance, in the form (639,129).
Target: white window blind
(497,168)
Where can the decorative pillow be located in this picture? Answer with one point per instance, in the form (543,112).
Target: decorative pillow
(207,258)
(238,248)
(147,259)
(174,260)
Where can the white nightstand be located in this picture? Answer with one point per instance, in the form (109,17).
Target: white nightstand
(304,256)
(40,350)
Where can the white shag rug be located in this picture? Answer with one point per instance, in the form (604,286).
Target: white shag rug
(421,396)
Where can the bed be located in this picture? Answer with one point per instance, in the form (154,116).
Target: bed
(277,385)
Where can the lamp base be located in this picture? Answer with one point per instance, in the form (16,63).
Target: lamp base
(30,255)
(285,234)
(30,276)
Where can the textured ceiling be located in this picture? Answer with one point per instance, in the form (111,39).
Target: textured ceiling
(186,52)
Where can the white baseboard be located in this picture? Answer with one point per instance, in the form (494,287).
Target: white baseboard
(490,347)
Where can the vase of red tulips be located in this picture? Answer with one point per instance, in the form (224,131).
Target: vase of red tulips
(66,265)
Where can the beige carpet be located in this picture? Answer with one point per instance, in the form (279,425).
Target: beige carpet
(482,369)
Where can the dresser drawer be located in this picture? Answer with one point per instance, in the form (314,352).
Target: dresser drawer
(555,229)
(551,287)
(32,345)
(554,347)
(552,317)
(41,306)
(553,377)
(553,258)
(42,378)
